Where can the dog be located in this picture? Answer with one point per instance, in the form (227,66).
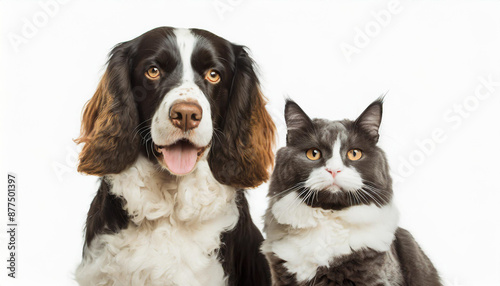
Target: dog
(176,131)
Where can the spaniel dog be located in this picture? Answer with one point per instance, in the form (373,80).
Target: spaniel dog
(177,129)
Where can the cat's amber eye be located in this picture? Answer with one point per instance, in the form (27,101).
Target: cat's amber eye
(313,154)
(354,154)
(153,73)
(212,76)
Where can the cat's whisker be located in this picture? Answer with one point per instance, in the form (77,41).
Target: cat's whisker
(349,195)
(299,198)
(364,194)
(296,187)
(296,201)
(382,197)
(381,194)
(310,196)
(379,198)
(365,199)
(372,185)
(292,188)
(359,198)
(355,197)
(378,192)
(304,197)
(379,203)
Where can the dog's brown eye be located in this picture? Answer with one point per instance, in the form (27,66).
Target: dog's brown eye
(212,76)
(153,73)
(313,154)
(354,154)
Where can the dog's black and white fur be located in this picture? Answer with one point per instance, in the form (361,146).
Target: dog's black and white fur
(150,224)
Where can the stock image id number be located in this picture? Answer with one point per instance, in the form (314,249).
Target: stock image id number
(11,198)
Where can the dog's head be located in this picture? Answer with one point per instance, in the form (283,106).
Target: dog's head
(179,96)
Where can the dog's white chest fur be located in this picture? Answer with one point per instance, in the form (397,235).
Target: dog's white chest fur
(307,238)
(174,233)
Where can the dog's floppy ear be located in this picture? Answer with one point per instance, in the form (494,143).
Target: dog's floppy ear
(243,154)
(109,120)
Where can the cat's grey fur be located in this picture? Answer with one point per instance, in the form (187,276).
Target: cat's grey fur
(402,262)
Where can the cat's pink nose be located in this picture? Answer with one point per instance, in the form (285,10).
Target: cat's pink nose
(333,173)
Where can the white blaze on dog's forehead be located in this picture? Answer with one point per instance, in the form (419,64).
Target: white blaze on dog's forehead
(163,132)
(186,41)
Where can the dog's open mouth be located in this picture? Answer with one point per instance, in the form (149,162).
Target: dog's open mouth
(181,157)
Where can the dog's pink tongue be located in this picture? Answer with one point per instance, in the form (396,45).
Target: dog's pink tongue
(180,158)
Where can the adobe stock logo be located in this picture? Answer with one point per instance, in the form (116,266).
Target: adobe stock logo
(224,6)
(453,118)
(32,25)
(363,37)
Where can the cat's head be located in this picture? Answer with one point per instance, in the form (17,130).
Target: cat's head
(332,164)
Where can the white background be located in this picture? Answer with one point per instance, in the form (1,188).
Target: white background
(430,55)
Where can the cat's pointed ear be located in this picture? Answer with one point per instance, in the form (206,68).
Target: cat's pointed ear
(297,121)
(295,117)
(369,120)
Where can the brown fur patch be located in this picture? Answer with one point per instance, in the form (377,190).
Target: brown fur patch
(98,104)
(242,155)
(258,153)
(109,119)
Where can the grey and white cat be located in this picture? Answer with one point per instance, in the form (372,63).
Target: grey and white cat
(331,220)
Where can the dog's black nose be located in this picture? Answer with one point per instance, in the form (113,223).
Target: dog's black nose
(186,115)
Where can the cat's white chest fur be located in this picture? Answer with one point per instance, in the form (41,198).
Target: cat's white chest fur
(173,235)
(307,238)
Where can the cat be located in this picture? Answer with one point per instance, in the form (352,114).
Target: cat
(331,219)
